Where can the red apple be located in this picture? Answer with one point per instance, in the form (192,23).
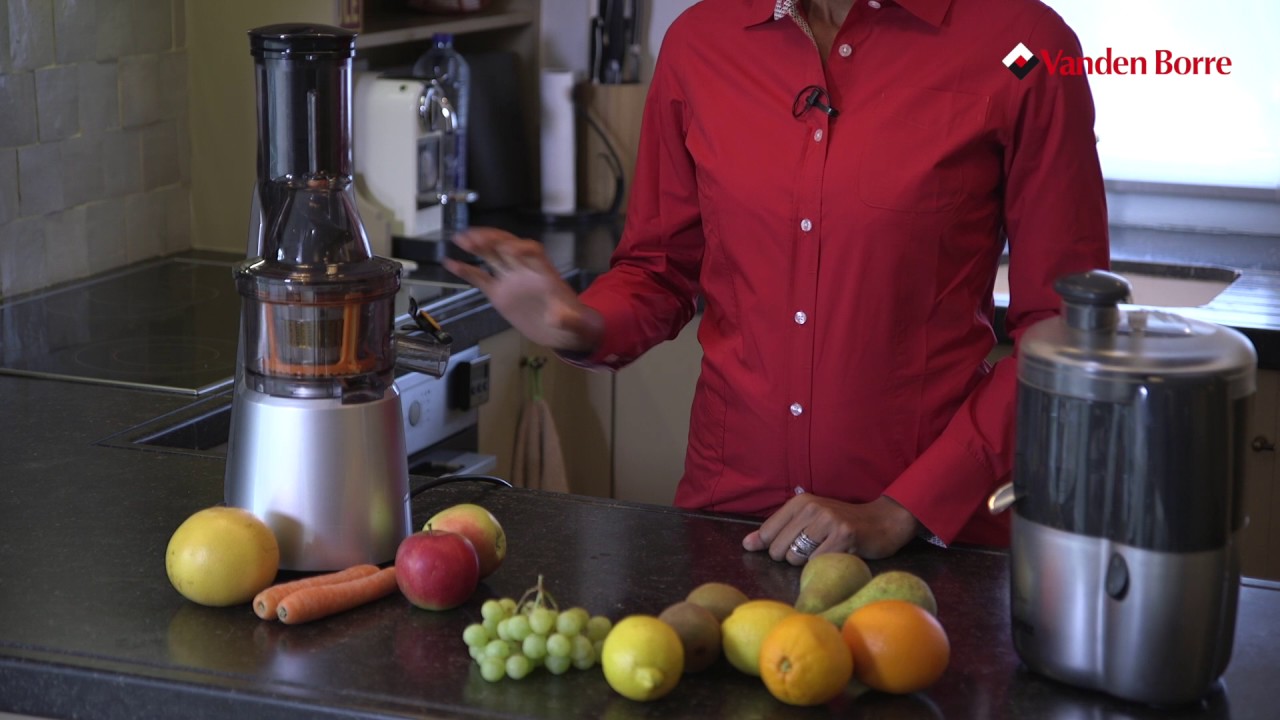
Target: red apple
(436,569)
(480,527)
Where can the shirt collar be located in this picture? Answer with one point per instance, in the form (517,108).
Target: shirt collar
(783,8)
(931,11)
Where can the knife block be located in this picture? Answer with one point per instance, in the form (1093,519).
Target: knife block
(617,109)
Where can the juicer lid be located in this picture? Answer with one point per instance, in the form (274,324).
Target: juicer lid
(302,40)
(270,280)
(1095,350)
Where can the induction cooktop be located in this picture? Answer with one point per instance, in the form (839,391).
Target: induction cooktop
(170,324)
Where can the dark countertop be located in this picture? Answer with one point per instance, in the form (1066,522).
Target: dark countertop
(1251,304)
(89,626)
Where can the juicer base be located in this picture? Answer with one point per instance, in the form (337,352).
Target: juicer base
(1154,627)
(330,480)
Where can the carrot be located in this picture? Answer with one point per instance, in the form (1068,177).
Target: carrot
(266,602)
(319,601)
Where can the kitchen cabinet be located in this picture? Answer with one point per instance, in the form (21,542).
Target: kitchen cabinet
(652,399)
(222,95)
(580,402)
(623,434)
(1260,541)
(384,24)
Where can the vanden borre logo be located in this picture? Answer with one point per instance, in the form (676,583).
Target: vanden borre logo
(1021,61)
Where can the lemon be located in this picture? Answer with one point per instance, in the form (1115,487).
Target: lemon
(642,657)
(744,631)
(222,556)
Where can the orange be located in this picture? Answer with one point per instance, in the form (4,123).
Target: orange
(897,646)
(804,661)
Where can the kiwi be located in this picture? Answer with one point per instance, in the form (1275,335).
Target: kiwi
(699,633)
(717,597)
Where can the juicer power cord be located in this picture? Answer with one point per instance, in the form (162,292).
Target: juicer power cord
(446,479)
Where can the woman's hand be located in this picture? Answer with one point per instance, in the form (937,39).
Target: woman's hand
(873,530)
(527,290)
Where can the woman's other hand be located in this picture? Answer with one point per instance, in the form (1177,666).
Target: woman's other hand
(527,290)
(872,530)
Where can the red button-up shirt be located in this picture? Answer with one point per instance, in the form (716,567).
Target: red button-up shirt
(847,262)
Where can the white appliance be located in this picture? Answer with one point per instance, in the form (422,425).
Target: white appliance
(398,140)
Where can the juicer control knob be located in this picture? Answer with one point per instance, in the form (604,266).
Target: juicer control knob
(1090,300)
(415,413)
(1117,582)
(1097,288)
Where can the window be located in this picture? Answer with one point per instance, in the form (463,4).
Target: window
(1187,129)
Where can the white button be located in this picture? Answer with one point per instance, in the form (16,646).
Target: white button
(796,409)
(817,135)
(846,50)
(873,4)
(801,318)
(805,225)
(799,490)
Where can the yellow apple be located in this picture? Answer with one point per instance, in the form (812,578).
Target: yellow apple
(480,527)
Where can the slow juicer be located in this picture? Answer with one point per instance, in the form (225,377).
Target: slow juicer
(317,446)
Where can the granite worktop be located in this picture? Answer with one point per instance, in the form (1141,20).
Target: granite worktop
(1251,304)
(90,628)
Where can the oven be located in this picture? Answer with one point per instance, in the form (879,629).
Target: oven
(441,417)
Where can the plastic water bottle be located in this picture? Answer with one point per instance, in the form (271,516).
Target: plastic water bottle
(443,63)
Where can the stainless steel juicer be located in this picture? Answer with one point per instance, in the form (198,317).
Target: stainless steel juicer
(317,444)
(1127,486)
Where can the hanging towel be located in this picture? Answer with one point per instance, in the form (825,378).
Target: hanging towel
(538,462)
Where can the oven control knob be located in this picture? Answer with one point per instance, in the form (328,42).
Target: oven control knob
(415,413)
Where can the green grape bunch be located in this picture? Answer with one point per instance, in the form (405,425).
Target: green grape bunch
(515,637)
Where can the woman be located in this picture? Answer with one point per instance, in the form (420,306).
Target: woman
(837,180)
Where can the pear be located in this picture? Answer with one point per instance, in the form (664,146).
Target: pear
(890,585)
(829,578)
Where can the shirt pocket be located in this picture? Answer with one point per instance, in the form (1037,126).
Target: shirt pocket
(916,146)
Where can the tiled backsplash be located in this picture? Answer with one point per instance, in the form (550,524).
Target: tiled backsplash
(94,139)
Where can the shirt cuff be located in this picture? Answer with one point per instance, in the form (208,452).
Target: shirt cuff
(930,538)
(943,488)
(609,354)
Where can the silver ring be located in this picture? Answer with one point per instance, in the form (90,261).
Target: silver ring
(803,545)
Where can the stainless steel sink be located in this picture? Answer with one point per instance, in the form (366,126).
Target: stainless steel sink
(1156,284)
